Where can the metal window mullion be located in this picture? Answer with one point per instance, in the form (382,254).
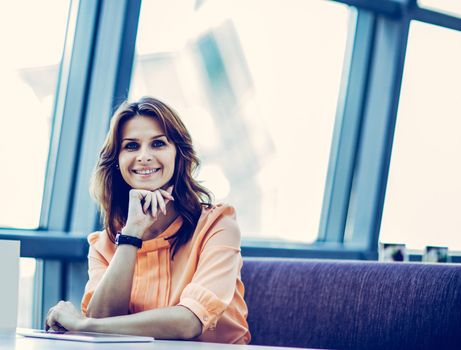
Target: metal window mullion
(347,128)
(390,8)
(37,301)
(369,184)
(436,18)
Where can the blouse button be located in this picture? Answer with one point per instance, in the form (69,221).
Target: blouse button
(205,318)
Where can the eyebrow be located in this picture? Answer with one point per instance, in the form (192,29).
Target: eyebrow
(135,139)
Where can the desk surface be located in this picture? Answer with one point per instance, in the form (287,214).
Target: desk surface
(16,342)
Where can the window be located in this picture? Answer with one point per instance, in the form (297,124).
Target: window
(27,269)
(29,68)
(422,203)
(256,82)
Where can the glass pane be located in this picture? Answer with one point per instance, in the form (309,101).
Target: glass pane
(452,7)
(256,82)
(32,37)
(423,204)
(26,292)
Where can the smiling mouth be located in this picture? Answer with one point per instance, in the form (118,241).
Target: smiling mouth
(146,172)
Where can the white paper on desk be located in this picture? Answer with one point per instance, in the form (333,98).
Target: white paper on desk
(90,337)
(9,274)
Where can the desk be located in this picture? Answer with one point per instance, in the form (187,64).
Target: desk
(12,341)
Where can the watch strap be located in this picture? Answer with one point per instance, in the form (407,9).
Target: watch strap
(124,239)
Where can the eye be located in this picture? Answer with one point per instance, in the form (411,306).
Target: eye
(131,146)
(158,143)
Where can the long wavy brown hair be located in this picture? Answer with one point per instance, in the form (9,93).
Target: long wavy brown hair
(111,191)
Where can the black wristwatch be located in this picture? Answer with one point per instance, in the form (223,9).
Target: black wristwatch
(123,239)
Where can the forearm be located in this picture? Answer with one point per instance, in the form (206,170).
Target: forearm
(112,296)
(176,322)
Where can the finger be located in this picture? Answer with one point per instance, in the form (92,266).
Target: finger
(50,321)
(166,195)
(56,328)
(161,202)
(135,194)
(170,189)
(47,324)
(59,327)
(153,207)
(134,201)
(147,203)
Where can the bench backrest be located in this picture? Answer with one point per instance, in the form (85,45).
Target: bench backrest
(353,305)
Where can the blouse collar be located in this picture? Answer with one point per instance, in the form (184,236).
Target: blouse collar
(160,241)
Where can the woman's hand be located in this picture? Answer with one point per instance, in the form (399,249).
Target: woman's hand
(65,317)
(143,210)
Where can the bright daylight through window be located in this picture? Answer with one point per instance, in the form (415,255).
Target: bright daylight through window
(257,86)
(29,69)
(451,7)
(422,201)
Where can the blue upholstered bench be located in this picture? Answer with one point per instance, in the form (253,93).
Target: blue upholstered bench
(353,304)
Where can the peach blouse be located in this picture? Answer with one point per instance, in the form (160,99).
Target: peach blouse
(204,275)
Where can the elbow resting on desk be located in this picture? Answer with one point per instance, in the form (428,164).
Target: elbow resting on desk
(191,326)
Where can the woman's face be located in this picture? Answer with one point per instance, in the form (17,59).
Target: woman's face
(146,157)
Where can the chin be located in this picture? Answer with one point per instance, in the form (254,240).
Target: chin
(147,186)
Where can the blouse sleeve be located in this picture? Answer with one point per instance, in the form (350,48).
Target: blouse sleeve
(214,283)
(97,266)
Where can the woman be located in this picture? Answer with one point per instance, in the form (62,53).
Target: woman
(168,262)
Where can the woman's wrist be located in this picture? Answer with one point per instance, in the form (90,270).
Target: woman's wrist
(85,325)
(128,231)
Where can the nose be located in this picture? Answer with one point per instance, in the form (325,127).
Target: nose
(144,155)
